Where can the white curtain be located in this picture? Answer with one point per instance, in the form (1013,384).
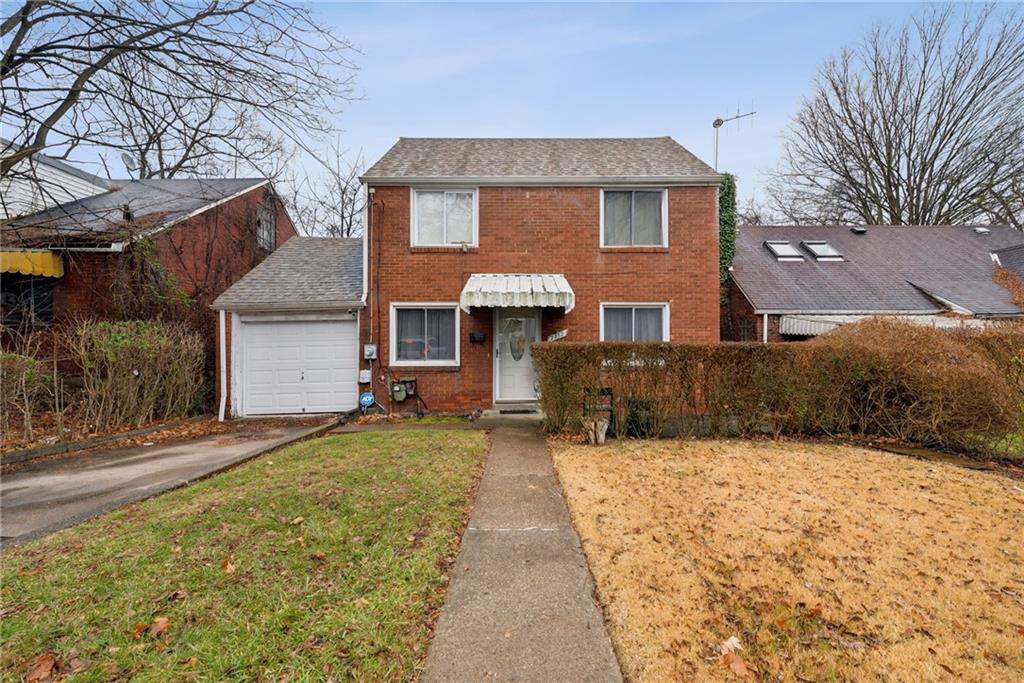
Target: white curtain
(618,324)
(617,218)
(460,217)
(410,330)
(440,334)
(647,218)
(647,323)
(430,218)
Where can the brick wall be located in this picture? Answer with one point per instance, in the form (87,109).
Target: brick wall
(743,324)
(540,230)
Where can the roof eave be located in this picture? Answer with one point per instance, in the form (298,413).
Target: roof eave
(850,311)
(505,181)
(285,306)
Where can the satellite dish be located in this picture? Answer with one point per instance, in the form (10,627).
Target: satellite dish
(129,161)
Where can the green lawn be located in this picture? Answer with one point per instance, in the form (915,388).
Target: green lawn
(322,560)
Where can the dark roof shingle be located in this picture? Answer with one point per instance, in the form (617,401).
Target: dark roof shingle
(306,273)
(153,203)
(540,159)
(884,270)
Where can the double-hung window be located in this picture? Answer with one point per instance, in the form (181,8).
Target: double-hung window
(634,322)
(442,218)
(634,218)
(424,334)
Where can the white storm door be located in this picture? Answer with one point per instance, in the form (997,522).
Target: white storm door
(515,330)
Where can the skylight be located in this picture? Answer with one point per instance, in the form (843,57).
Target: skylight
(822,250)
(783,250)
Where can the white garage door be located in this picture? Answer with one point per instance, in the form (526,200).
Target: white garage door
(299,367)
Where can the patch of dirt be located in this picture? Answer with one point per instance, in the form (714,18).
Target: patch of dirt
(825,562)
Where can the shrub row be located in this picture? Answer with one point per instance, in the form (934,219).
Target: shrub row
(951,390)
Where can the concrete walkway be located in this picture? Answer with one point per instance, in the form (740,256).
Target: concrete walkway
(520,605)
(41,497)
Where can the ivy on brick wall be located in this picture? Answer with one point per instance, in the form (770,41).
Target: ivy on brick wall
(726,225)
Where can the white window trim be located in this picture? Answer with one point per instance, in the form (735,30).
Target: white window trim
(272,232)
(448,245)
(665,314)
(664,218)
(393,335)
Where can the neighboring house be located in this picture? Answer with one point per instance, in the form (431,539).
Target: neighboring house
(475,248)
(40,181)
(102,255)
(795,282)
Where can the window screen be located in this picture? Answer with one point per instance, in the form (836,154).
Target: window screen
(424,334)
(633,218)
(444,217)
(634,323)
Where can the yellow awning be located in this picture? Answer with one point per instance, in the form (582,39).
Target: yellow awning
(36,262)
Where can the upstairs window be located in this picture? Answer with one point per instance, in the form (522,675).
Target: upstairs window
(822,250)
(634,218)
(444,218)
(783,250)
(640,323)
(266,228)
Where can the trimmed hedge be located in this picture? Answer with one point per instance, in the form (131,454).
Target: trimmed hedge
(913,383)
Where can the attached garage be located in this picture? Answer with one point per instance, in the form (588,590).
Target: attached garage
(292,331)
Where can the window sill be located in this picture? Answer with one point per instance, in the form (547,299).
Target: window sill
(420,367)
(634,250)
(453,249)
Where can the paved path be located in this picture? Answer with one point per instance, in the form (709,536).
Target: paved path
(520,605)
(42,497)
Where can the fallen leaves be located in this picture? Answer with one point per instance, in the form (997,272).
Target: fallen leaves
(728,657)
(227,565)
(45,667)
(154,630)
(298,520)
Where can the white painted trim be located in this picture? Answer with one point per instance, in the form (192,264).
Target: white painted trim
(223,345)
(764,329)
(392,336)
(664,219)
(367,198)
(666,316)
(495,384)
(413,218)
(549,181)
(237,367)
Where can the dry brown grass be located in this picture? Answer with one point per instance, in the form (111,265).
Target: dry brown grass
(827,562)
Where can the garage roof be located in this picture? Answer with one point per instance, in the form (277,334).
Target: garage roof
(306,274)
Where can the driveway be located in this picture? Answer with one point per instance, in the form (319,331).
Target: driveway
(42,497)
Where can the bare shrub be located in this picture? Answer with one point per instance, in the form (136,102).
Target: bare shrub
(23,384)
(136,372)
(879,377)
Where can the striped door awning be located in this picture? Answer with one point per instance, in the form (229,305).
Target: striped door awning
(503,290)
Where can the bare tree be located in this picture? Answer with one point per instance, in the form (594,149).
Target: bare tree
(924,125)
(177,85)
(330,204)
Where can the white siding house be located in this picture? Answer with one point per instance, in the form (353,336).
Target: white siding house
(41,181)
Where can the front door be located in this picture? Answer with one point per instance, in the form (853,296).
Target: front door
(514,330)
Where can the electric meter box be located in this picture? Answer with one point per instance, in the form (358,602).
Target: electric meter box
(364,376)
(369,352)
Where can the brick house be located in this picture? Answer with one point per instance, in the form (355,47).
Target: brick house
(789,283)
(98,256)
(475,248)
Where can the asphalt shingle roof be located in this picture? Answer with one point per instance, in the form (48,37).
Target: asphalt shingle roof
(541,159)
(306,273)
(884,270)
(153,203)
(1012,258)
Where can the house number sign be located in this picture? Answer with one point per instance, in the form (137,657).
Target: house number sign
(557,335)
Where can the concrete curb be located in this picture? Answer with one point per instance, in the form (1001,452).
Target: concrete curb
(168,486)
(27,454)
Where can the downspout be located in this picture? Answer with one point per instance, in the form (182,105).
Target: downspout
(764,329)
(223,368)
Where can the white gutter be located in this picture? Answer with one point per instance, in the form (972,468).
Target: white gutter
(366,231)
(764,329)
(115,247)
(223,368)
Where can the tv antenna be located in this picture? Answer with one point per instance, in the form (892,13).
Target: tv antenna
(719,122)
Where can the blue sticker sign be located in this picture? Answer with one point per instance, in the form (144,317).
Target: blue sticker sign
(366,399)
